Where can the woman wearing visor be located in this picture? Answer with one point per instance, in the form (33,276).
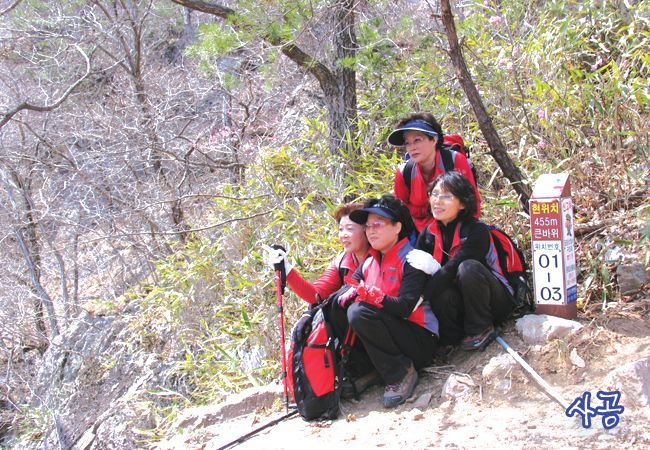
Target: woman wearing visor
(422,137)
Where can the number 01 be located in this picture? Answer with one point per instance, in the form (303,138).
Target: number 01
(545,261)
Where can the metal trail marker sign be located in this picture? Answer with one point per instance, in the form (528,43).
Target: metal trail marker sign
(554,258)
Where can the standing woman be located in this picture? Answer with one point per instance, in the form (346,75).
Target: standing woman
(422,137)
(355,248)
(397,329)
(469,293)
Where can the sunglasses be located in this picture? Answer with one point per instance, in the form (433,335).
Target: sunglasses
(377,224)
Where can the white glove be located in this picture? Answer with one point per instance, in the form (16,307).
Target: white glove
(423,261)
(278,256)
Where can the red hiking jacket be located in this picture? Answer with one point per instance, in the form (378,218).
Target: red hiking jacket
(329,282)
(416,198)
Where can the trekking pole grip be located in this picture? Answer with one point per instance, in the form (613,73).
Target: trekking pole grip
(280,270)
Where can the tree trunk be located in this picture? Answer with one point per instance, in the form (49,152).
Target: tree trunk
(29,248)
(497,149)
(338,86)
(34,247)
(345,45)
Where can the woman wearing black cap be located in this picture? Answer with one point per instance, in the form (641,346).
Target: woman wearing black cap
(422,137)
(385,308)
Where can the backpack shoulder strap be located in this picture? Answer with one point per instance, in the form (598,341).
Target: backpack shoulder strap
(343,271)
(447,158)
(407,173)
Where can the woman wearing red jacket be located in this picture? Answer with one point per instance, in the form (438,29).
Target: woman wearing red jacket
(422,137)
(384,304)
(355,248)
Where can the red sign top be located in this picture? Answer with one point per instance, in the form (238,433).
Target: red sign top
(551,185)
(545,220)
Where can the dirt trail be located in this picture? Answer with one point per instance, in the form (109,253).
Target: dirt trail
(514,415)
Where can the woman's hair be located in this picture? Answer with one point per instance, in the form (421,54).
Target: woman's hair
(345,210)
(399,210)
(461,188)
(428,117)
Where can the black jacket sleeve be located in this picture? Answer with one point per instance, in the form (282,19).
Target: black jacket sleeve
(475,246)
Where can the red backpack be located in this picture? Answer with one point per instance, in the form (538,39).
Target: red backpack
(514,267)
(312,364)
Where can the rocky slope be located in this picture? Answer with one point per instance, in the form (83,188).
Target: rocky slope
(461,406)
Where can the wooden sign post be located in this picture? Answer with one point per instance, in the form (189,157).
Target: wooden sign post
(554,258)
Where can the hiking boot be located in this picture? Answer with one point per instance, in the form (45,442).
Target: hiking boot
(397,393)
(442,353)
(363,383)
(475,341)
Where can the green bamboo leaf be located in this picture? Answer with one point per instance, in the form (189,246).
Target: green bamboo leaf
(245,316)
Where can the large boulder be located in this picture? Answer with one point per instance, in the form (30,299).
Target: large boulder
(539,329)
(235,405)
(633,381)
(90,377)
(201,422)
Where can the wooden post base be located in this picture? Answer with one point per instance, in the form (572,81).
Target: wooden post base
(569,311)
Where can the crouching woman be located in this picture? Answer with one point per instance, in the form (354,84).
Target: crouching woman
(384,304)
(469,294)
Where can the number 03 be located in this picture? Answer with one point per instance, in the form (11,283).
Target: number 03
(554,293)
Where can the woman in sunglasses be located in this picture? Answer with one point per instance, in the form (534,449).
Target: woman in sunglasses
(383,300)
(469,293)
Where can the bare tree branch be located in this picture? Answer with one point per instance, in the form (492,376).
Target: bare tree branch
(289,49)
(172,233)
(25,105)
(29,259)
(10,7)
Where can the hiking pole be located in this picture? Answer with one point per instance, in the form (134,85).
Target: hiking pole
(280,282)
(547,387)
(257,430)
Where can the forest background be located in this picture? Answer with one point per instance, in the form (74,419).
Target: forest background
(149,148)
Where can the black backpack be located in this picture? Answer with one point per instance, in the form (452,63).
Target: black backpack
(312,365)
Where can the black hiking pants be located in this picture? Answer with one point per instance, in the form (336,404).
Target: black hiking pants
(391,342)
(359,363)
(476,301)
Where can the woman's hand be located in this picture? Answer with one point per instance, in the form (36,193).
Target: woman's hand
(277,256)
(423,261)
(346,297)
(370,294)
